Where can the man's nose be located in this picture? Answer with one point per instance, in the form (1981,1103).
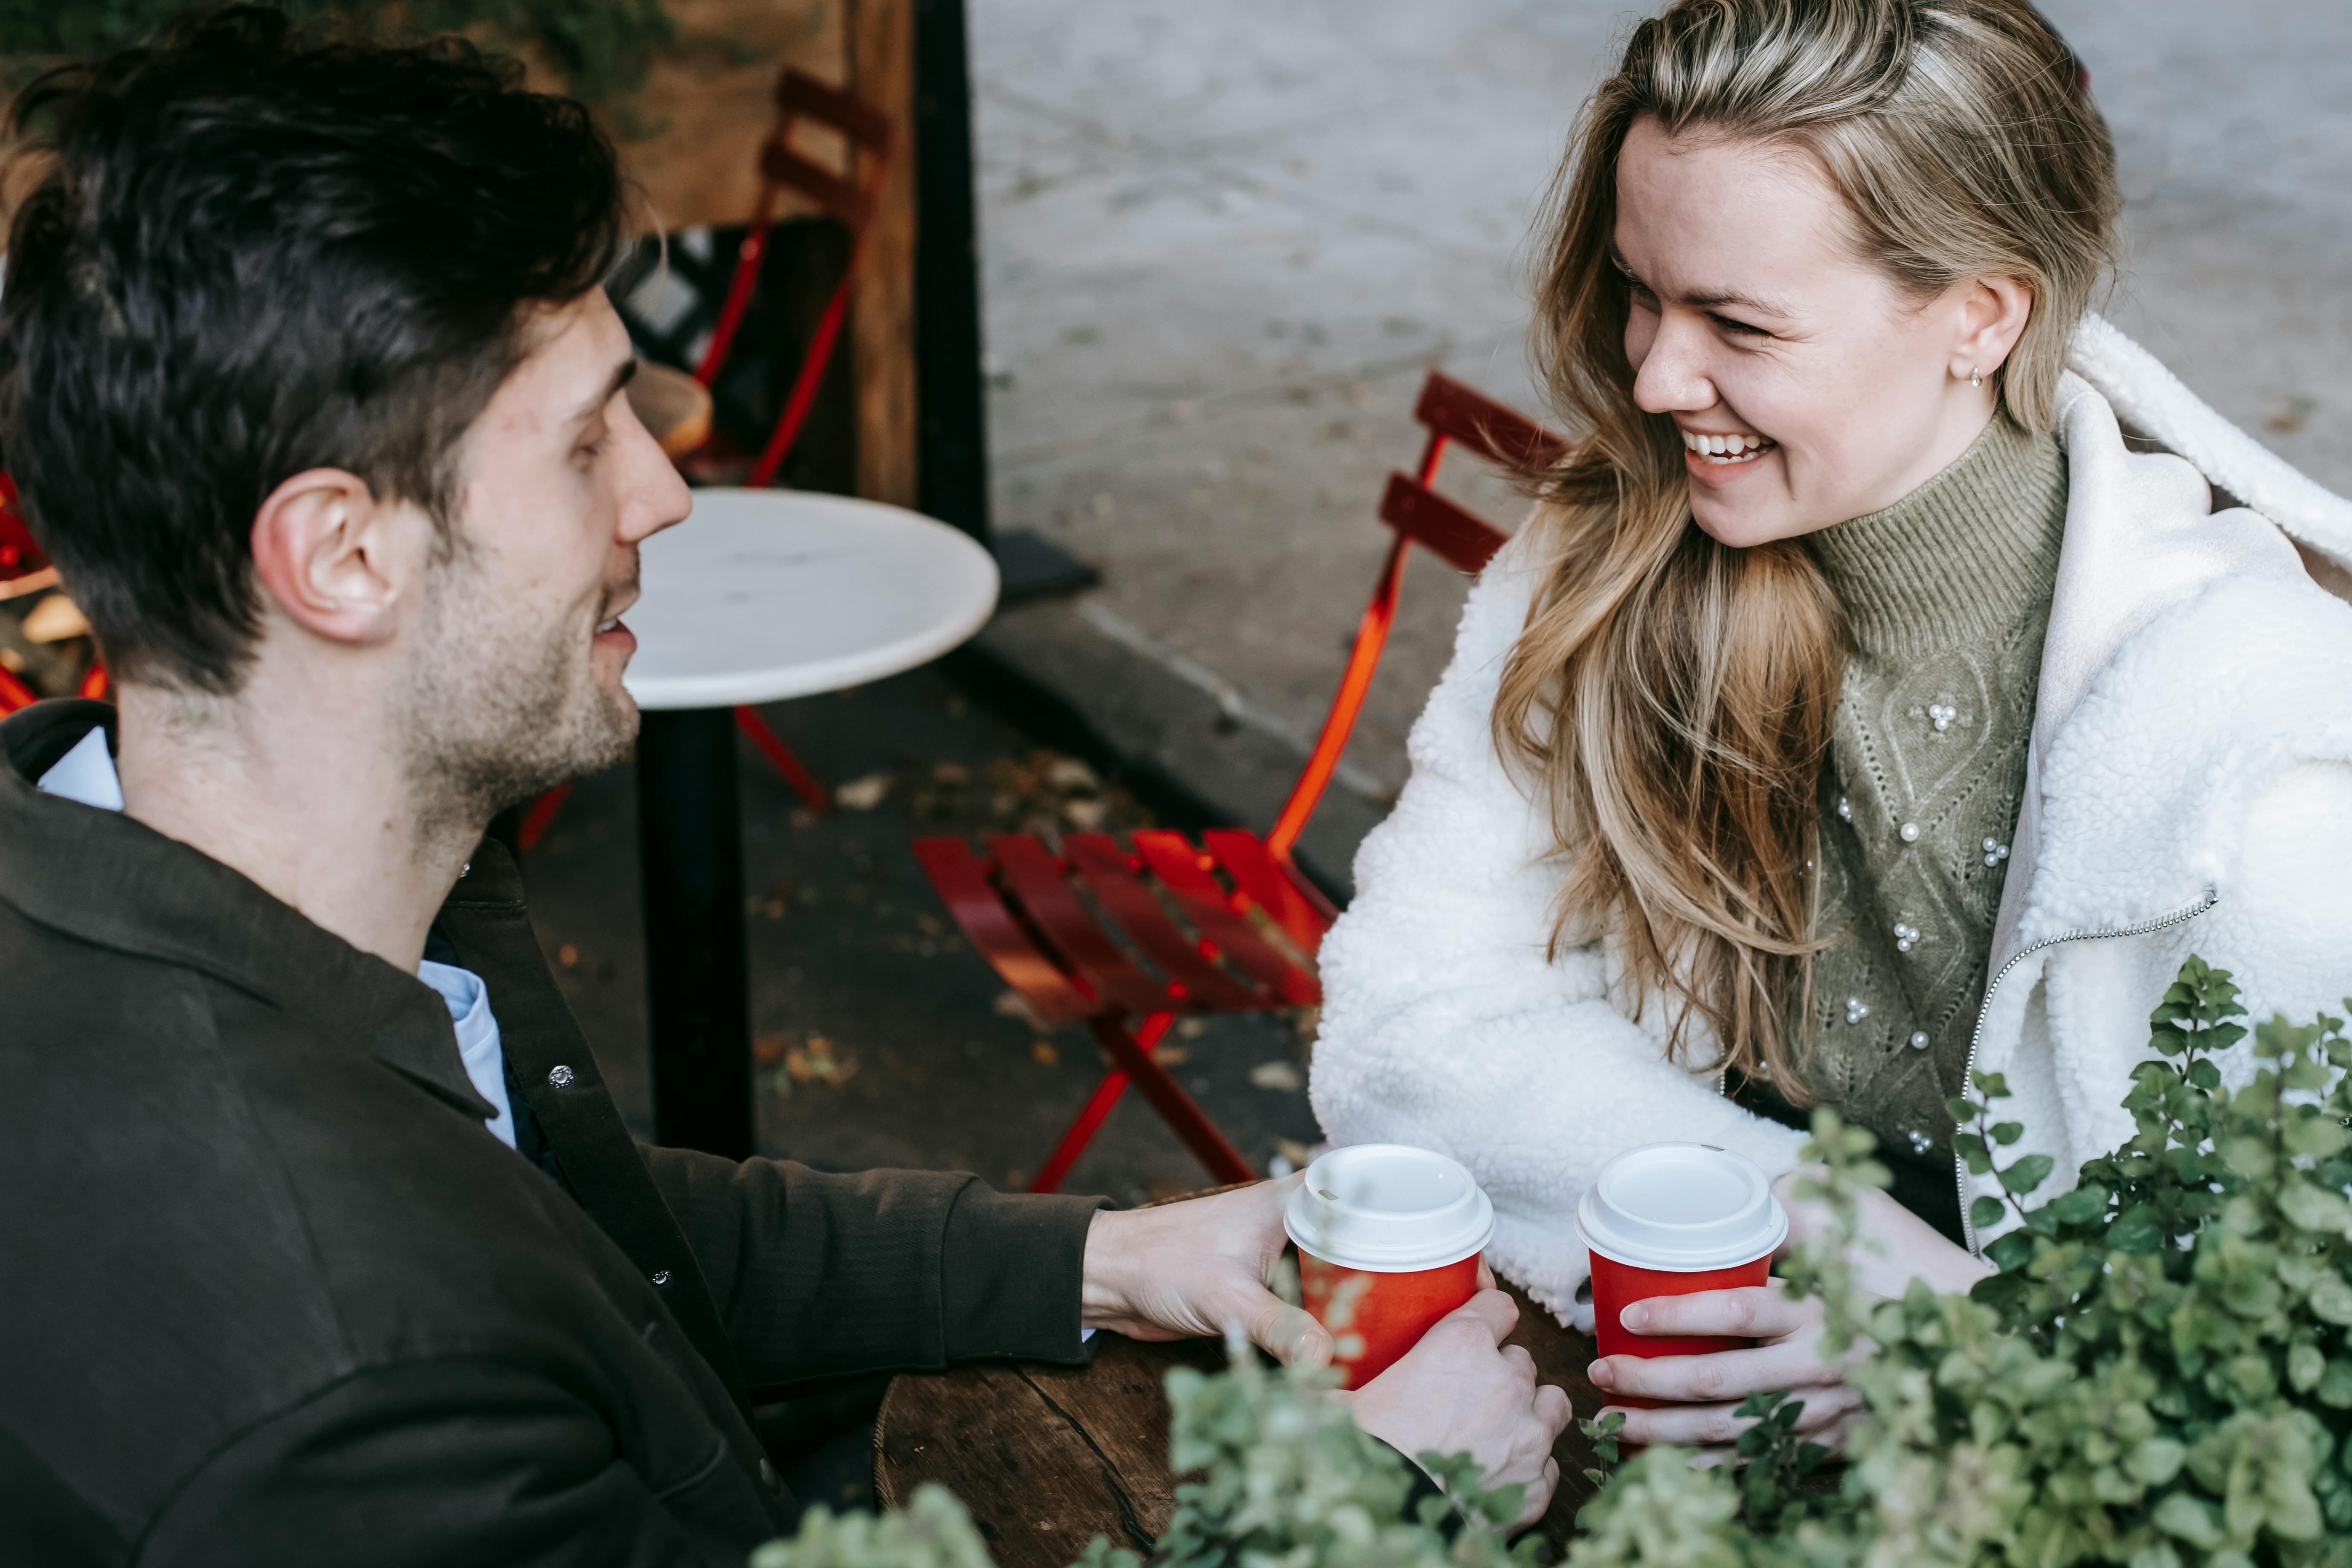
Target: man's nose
(657,496)
(1673,377)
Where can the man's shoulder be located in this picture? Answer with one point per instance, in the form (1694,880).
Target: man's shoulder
(227,1216)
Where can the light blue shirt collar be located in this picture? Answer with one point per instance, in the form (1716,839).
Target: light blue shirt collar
(87,773)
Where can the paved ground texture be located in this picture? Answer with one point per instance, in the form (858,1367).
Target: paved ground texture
(1224,239)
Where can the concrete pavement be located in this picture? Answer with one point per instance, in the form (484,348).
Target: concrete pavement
(1223,241)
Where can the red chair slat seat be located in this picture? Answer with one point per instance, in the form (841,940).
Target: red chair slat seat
(1213,920)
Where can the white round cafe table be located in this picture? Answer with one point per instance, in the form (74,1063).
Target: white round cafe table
(758,596)
(765,595)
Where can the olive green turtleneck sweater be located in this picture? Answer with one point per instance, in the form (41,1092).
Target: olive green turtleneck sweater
(1947,596)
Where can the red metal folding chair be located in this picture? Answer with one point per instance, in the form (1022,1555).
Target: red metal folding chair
(850,201)
(21,560)
(23,569)
(1127,937)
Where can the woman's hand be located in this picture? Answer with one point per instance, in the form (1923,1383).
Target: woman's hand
(1894,1246)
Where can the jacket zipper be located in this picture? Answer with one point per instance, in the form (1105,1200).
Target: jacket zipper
(1968,1074)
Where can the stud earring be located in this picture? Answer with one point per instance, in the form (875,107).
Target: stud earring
(1974,379)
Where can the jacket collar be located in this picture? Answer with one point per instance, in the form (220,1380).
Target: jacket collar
(2142,539)
(109,879)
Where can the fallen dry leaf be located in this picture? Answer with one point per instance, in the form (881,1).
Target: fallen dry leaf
(1013,1004)
(1169,1056)
(1087,816)
(1042,1054)
(1069,773)
(863,795)
(1275,1075)
(768,1048)
(817,1062)
(567,955)
(55,619)
(1191,1028)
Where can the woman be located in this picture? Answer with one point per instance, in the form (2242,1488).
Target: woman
(1861,705)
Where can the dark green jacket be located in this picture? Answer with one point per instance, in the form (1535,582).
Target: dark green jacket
(271,1292)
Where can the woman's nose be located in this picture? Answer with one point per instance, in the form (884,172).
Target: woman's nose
(1672,376)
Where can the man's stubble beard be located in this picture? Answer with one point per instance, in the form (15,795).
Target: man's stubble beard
(499,712)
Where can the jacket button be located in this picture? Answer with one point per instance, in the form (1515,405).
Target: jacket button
(559,1075)
(661,1275)
(464,869)
(1910,832)
(768,1471)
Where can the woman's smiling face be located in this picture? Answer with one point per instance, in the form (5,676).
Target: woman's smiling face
(1808,387)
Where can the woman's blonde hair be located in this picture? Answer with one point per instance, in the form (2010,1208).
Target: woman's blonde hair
(1673,696)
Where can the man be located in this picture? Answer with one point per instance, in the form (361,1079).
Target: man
(322,1240)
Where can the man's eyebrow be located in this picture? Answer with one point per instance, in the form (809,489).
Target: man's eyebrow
(1706,299)
(620,378)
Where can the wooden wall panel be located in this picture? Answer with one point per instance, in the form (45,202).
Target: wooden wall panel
(882,327)
(691,137)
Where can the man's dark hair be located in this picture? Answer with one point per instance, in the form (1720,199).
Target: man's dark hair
(255,251)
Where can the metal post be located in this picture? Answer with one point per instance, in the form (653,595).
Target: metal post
(951,451)
(690,860)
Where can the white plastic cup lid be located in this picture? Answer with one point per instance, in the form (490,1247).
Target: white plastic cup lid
(1389,1208)
(1682,1207)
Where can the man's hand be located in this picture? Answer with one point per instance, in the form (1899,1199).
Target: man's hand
(1186,1270)
(1461,1390)
(1894,1246)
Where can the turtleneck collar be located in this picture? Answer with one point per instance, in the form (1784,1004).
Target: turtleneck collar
(1964,556)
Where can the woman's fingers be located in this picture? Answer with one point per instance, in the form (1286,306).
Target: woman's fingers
(1749,1312)
(1704,1379)
(1688,1426)
(1826,1410)
(1707,1427)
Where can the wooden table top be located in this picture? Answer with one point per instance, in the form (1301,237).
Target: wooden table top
(1047,1457)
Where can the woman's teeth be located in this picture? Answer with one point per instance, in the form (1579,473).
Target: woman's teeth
(1725,448)
(608,626)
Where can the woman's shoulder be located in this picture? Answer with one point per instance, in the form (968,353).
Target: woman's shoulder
(2180,534)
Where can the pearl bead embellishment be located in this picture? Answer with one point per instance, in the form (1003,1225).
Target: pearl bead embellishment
(1846,809)
(1910,832)
(1905,936)
(1856,1010)
(1941,715)
(1995,853)
(1919,1040)
(1920,1141)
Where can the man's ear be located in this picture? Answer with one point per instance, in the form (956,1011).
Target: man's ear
(337,561)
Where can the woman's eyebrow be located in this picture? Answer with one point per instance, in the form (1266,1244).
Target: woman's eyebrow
(1704,298)
(1709,299)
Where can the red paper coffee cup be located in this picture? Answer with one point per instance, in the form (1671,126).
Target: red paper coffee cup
(1673,1219)
(1388,1241)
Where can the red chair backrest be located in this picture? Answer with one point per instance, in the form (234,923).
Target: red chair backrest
(868,132)
(1457,415)
(1454,415)
(866,129)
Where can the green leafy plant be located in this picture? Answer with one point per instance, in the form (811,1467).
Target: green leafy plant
(2159,1375)
(1287,1481)
(603,47)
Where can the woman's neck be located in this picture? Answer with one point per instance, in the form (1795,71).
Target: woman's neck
(1959,556)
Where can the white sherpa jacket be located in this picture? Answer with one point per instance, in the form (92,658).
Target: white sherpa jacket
(2188,790)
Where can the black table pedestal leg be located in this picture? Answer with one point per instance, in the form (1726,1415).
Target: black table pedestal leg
(690,860)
